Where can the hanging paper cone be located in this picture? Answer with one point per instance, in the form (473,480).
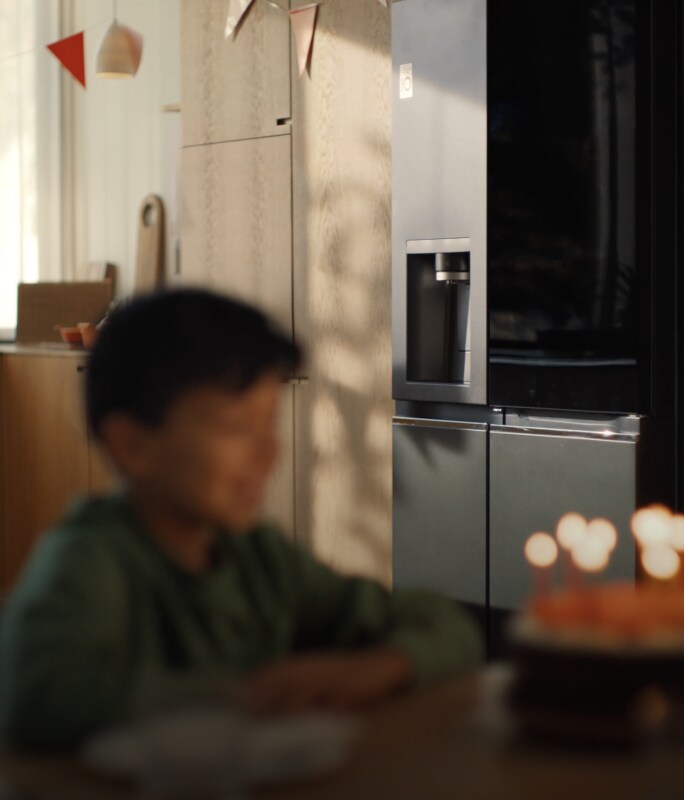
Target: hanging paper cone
(136,41)
(236,11)
(119,52)
(303,23)
(69,51)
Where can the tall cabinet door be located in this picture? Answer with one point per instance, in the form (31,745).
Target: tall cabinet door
(237,221)
(237,88)
(237,238)
(440,508)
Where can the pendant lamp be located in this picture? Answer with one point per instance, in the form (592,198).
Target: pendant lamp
(119,53)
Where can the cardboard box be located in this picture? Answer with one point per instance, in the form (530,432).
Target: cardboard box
(42,306)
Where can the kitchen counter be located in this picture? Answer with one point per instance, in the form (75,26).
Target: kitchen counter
(42,349)
(47,455)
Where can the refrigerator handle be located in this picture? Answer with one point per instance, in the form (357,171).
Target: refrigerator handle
(420,422)
(605,436)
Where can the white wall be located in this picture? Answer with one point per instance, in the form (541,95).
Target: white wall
(123,146)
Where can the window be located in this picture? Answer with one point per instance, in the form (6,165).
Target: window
(30,208)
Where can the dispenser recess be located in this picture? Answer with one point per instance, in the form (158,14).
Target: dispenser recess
(438,308)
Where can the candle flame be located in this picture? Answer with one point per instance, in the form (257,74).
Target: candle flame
(660,561)
(652,525)
(678,532)
(571,529)
(604,530)
(591,554)
(541,550)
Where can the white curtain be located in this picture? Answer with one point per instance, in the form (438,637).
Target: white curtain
(30,181)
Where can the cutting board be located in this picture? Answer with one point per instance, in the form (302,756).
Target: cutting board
(149,265)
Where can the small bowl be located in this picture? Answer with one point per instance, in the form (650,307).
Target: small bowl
(70,335)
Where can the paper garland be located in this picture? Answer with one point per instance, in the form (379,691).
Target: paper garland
(70,53)
(303,21)
(236,11)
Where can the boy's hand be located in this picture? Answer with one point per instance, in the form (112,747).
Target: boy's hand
(331,681)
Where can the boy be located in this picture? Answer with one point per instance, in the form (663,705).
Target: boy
(172,585)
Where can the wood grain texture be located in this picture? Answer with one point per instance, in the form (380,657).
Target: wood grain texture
(236,88)
(341,213)
(45,454)
(237,221)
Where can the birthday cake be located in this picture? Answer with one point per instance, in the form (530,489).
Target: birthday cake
(604,661)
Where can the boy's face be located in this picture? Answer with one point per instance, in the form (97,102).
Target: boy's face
(210,459)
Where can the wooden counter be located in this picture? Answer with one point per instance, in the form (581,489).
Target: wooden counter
(46,454)
(53,349)
(452,741)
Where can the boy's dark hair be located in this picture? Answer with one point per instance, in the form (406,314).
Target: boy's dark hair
(156,346)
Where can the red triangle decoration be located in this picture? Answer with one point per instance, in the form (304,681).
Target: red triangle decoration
(70,53)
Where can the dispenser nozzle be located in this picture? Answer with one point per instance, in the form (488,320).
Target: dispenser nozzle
(452,267)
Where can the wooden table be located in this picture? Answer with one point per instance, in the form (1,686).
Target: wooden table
(451,741)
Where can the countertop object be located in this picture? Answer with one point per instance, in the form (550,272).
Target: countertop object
(149,265)
(42,306)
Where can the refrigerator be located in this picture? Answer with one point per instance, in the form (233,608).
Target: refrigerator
(534,282)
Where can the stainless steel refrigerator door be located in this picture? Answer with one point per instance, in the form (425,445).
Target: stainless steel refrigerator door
(439,167)
(536,477)
(440,507)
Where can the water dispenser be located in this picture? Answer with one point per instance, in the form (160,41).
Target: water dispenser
(438,311)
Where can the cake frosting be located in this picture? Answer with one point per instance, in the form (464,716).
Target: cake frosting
(607,616)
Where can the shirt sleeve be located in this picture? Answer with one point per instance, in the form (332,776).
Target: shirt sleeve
(333,611)
(61,674)
(67,670)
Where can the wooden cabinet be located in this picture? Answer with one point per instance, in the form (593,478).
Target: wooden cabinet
(236,211)
(300,225)
(237,221)
(237,88)
(46,456)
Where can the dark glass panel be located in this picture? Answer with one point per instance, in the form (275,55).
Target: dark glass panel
(562,191)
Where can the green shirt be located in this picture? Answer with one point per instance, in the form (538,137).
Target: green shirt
(102,617)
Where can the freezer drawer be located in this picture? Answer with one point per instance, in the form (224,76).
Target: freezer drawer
(440,507)
(534,479)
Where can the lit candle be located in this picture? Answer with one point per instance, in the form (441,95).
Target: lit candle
(542,552)
(570,531)
(677,540)
(605,531)
(591,554)
(652,525)
(677,534)
(660,561)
